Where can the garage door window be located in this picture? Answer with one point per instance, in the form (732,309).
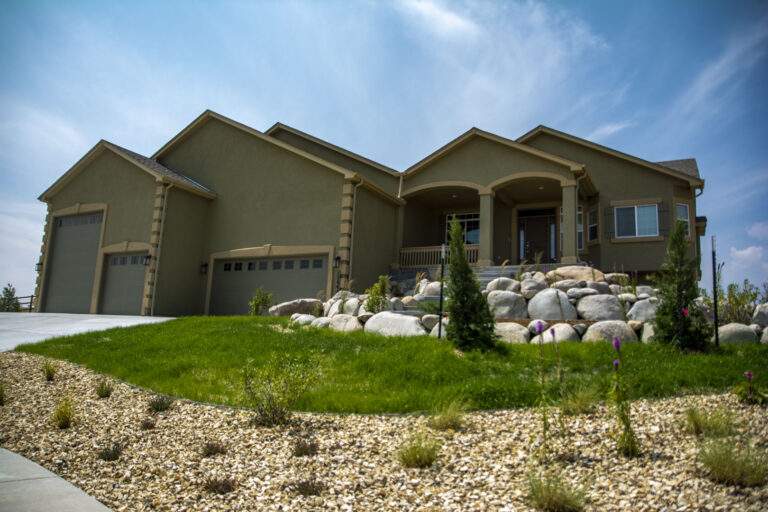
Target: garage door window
(227,267)
(304,264)
(277,265)
(288,264)
(262,265)
(251,266)
(238,266)
(317,263)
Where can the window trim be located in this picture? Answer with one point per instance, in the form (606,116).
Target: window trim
(596,210)
(634,209)
(470,216)
(687,216)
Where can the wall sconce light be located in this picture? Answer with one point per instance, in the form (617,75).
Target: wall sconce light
(38,266)
(147,259)
(336,261)
(203,268)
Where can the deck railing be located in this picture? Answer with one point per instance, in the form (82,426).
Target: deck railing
(430,255)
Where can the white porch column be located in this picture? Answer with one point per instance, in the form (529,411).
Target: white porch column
(485,256)
(569,254)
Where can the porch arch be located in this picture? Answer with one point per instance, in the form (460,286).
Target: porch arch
(565,180)
(445,184)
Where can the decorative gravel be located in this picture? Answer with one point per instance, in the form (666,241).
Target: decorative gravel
(483,467)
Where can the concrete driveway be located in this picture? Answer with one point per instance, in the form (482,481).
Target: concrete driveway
(17,328)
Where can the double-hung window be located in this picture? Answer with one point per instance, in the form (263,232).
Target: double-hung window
(470,226)
(682,215)
(636,221)
(592,225)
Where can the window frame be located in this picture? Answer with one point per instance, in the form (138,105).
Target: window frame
(687,217)
(596,225)
(464,218)
(634,209)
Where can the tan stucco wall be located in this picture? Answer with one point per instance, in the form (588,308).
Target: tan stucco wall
(266,194)
(373,238)
(180,288)
(127,191)
(381,179)
(617,179)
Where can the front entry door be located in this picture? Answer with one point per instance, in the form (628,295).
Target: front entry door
(537,236)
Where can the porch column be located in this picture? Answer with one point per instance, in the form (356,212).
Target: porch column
(399,227)
(485,256)
(569,224)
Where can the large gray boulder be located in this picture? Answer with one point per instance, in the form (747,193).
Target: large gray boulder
(627,298)
(764,337)
(737,333)
(506,305)
(303,319)
(345,323)
(578,293)
(395,304)
(577,272)
(648,333)
(394,324)
(351,306)
(434,330)
(641,288)
(511,332)
(429,321)
(530,287)
(536,276)
(615,289)
(504,284)
(563,332)
(599,287)
(760,316)
(303,306)
(600,307)
(567,284)
(321,322)
(609,329)
(533,326)
(432,288)
(644,310)
(551,304)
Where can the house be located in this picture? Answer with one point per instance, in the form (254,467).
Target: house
(223,208)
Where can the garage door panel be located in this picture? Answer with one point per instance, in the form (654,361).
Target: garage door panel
(123,283)
(235,280)
(72,263)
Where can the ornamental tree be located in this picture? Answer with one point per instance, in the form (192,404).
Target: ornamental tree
(9,301)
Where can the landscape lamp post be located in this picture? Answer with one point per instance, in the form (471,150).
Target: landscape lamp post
(714,288)
(442,281)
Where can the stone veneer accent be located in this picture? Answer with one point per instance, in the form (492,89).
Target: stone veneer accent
(155,238)
(345,231)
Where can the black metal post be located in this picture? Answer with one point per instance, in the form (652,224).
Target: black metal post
(714,289)
(442,283)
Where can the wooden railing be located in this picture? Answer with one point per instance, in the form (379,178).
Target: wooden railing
(430,255)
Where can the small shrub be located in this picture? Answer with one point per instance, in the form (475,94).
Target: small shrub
(2,394)
(220,485)
(419,451)
(749,393)
(449,417)
(273,389)
(211,448)
(310,487)
(377,295)
(148,424)
(8,300)
(64,414)
(305,448)
(111,453)
(260,302)
(160,403)
(725,463)
(581,401)
(49,371)
(104,389)
(552,494)
(718,423)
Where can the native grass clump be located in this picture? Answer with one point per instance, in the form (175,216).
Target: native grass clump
(274,388)
(728,463)
(63,415)
(419,451)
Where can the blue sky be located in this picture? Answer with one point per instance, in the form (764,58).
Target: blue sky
(392,81)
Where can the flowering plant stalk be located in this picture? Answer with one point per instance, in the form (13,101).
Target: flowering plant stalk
(626,442)
(749,393)
(543,401)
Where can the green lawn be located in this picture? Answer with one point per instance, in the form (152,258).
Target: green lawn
(201,358)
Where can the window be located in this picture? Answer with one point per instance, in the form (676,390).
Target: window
(579,228)
(262,265)
(317,263)
(134,260)
(681,210)
(277,265)
(251,266)
(288,264)
(227,267)
(470,226)
(238,266)
(304,264)
(114,260)
(635,221)
(123,260)
(592,229)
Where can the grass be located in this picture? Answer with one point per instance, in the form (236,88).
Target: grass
(2,393)
(418,451)
(202,358)
(580,401)
(305,448)
(49,371)
(449,417)
(220,485)
(718,423)
(160,403)
(726,463)
(104,389)
(110,453)
(552,494)
(64,413)
(212,448)
(310,487)
(148,424)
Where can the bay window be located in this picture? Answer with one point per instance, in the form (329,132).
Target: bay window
(636,221)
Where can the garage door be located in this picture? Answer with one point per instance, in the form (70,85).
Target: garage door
(123,283)
(286,278)
(72,263)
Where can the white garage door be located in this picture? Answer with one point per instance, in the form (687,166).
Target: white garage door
(123,284)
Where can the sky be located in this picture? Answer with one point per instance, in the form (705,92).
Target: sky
(392,81)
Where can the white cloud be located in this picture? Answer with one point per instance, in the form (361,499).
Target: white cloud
(606,130)
(749,263)
(21,233)
(758,230)
(439,18)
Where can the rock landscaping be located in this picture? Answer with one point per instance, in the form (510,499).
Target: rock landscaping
(353,463)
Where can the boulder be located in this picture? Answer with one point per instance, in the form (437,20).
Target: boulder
(395,304)
(408,300)
(580,329)
(737,333)
(303,319)
(764,338)
(511,332)
(351,306)
(643,296)
(536,276)
(420,286)
(600,307)
(530,287)
(644,310)
(345,323)
(551,304)
(364,316)
(636,325)
(567,284)
(578,272)
(394,324)
(321,322)
(532,326)
(615,289)
(641,288)
(343,294)
(295,315)
(609,329)
(578,293)
(433,332)
(563,332)
(429,321)
(617,278)
(327,306)
(504,284)
(600,287)
(506,305)
(758,330)
(627,298)
(647,335)
(760,316)
(304,306)
(432,288)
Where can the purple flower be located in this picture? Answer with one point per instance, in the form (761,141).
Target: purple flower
(539,327)
(748,375)
(552,332)
(616,344)
(616,364)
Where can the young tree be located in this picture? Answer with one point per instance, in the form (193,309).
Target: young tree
(679,321)
(9,302)
(471,323)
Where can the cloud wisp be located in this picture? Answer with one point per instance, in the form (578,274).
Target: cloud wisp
(605,131)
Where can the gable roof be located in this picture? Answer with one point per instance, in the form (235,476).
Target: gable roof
(476,132)
(694,180)
(148,165)
(284,127)
(686,165)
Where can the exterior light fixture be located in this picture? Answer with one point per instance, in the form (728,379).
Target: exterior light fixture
(147,259)
(336,261)
(38,266)
(204,268)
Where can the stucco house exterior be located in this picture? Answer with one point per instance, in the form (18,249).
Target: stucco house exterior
(223,208)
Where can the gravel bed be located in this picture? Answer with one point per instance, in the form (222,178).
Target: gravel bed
(483,467)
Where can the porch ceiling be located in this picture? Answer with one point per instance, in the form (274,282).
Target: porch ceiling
(530,190)
(453,197)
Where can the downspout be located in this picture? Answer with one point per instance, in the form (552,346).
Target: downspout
(159,249)
(400,187)
(352,231)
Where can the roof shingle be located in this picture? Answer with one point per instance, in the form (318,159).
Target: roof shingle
(685,165)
